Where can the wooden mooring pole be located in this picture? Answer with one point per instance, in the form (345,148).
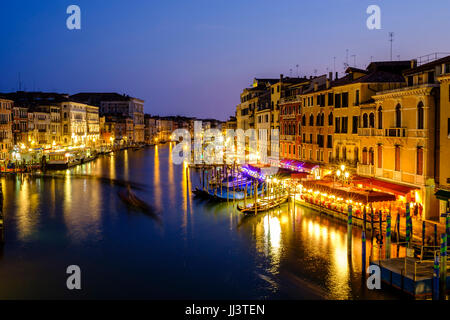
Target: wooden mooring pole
(363,254)
(443,267)
(436,278)
(349,231)
(2,221)
(256,196)
(388,236)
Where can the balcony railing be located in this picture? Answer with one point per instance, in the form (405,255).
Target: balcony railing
(287,137)
(417,133)
(370,132)
(366,169)
(396,132)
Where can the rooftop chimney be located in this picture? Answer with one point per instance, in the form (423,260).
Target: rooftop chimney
(316,86)
(413,63)
(336,77)
(281,77)
(330,76)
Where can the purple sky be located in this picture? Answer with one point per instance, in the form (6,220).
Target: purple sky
(194,57)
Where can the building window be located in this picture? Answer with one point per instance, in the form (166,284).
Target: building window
(364,156)
(337,100)
(330,119)
(380,118)
(337,153)
(344,153)
(380,156)
(311,120)
(357,98)
(397,158)
(372,120)
(344,124)
(371,156)
(345,100)
(420,116)
(356,155)
(330,99)
(398,116)
(355,125)
(365,120)
(337,124)
(419,161)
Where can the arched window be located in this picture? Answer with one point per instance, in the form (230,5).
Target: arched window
(299,130)
(398,116)
(311,120)
(344,153)
(356,155)
(420,116)
(365,121)
(380,118)
(322,119)
(330,119)
(337,153)
(372,120)
(304,120)
(364,156)
(371,157)
(318,120)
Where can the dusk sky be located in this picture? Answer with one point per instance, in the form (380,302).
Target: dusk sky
(194,57)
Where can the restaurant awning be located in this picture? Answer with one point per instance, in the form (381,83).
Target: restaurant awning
(299,166)
(299,175)
(391,187)
(348,193)
(443,195)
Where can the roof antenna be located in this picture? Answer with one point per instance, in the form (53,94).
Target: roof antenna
(391,39)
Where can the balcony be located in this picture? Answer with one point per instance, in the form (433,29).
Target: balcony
(366,169)
(370,132)
(286,137)
(417,133)
(396,132)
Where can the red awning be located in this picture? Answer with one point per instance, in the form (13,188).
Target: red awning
(391,187)
(299,175)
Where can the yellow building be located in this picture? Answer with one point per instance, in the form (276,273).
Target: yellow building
(397,136)
(315,121)
(6,139)
(442,67)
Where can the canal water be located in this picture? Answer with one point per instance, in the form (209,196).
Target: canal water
(200,250)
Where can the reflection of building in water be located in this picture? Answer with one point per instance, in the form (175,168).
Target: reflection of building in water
(82,223)
(27,202)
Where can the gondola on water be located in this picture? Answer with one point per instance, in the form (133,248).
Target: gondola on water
(263,205)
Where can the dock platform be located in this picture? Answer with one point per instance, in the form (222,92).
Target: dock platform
(416,281)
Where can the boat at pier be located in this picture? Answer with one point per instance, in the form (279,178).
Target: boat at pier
(263,204)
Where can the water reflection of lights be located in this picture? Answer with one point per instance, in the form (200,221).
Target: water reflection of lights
(157,182)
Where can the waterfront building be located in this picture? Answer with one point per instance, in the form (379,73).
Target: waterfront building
(93,126)
(74,123)
(118,104)
(20,125)
(39,128)
(6,137)
(398,135)
(301,120)
(165,127)
(150,129)
(354,109)
(442,67)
